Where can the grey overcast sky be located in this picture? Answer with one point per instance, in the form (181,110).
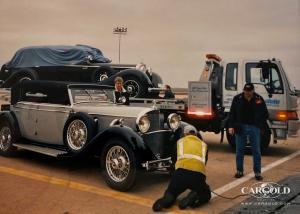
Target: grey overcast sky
(172,36)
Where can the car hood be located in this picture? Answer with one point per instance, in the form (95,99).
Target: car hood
(111,109)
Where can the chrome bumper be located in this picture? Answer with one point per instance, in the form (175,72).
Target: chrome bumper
(293,127)
(283,129)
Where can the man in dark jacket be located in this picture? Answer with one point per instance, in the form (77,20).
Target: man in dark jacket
(248,113)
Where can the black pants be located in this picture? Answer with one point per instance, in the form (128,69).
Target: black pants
(185,179)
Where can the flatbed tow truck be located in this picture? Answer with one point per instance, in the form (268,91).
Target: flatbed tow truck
(208,100)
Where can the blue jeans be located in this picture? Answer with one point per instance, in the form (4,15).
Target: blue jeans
(240,140)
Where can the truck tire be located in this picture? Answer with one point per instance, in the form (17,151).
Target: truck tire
(265,138)
(9,134)
(119,165)
(78,132)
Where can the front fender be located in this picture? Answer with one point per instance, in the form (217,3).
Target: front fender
(133,72)
(16,73)
(123,132)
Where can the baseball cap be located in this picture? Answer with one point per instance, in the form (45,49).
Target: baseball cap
(189,129)
(249,87)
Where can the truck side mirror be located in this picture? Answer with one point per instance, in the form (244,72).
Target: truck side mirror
(264,69)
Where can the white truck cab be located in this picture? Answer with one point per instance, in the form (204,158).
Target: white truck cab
(270,81)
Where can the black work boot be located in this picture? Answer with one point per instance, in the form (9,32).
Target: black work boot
(258,176)
(189,200)
(164,202)
(239,174)
(157,206)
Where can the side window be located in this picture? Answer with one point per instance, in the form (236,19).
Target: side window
(272,81)
(35,97)
(231,76)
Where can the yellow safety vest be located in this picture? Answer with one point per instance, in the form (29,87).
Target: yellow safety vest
(191,154)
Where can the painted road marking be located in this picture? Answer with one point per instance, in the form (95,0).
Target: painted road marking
(87,188)
(249,176)
(78,186)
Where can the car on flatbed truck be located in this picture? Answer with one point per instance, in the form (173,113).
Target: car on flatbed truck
(227,80)
(79,63)
(67,120)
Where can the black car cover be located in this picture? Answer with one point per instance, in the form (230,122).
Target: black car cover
(56,55)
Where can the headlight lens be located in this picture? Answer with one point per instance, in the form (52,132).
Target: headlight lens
(174,121)
(143,124)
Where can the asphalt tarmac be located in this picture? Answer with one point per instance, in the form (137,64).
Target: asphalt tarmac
(34,183)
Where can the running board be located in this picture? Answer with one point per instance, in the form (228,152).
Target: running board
(42,150)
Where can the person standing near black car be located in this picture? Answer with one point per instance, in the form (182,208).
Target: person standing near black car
(168,92)
(120,94)
(248,113)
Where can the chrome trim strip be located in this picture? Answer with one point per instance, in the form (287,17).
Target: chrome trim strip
(153,132)
(36,109)
(42,104)
(114,115)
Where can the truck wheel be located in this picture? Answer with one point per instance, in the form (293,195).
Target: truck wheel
(9,134)
(230,139)
(265,137)
(78,131)
(134,87)
(119,165)
(102,74)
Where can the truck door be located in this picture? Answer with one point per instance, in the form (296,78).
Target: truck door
(268,83)
(230,84)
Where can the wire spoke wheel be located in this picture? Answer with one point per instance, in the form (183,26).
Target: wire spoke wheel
(77,134)
(132,87)
(5,138)
(117,163)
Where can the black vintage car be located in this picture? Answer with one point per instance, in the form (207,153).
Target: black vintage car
(80,63)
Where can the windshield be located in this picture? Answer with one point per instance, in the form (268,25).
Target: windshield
(91,95)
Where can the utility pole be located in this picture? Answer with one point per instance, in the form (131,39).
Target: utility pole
(120,31)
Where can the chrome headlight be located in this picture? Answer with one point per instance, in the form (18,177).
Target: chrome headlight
(174,121)
(143,123)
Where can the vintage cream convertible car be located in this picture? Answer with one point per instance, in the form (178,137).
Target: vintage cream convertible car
(67,119)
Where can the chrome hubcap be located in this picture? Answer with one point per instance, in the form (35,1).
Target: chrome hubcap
(77,134)
(5,138)
(132,87)
(102,77)
(117,163)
